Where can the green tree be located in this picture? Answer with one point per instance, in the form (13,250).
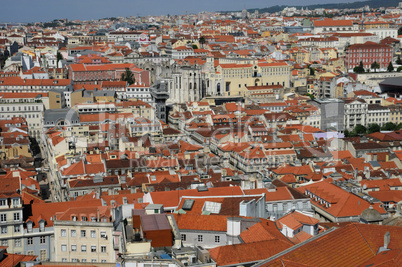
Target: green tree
(346,133)
(359,69)
(59,57)
(359,130)
(400,31)
(128,76)
(390,67)
(311,96)
(373,128)
(399,60)
(375,66)
(195,46)
(201,40)
(389,126)
(399,69)
(312,71)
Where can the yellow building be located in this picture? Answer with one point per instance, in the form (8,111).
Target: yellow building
(84,235)
(232,79)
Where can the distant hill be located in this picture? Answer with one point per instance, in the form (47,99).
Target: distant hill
(371,3)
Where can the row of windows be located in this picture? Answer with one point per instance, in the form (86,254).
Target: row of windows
(83,248)
(15,202)
(20,108)
(200,238)
(82,260)
(42,240)
(4,229)
(3,217)
(17,242)
(73,233)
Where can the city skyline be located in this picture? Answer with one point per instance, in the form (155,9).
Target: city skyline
(45,10)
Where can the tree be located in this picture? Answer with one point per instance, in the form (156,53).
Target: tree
(201,40)
(359,69)
(346,133)
(373,128)
(399,60)
(359,130)
(390,67)
(312,71)
(389,126)
(59,57)
(128,76)
(195,46)
(311,96)
(375,66)
(400,31)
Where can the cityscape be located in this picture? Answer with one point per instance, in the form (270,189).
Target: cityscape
(269,136)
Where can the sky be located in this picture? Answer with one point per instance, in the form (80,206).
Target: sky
(47,10)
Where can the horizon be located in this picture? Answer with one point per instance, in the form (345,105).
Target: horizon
(46,10)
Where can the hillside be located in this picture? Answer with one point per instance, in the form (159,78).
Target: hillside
(359,4)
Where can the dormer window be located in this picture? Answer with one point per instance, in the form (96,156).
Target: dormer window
(84,218)
(29,226)
(16,201)
(42,226)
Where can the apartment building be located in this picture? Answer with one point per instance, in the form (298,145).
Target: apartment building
(232,79)
(355,113)
(378,114)
(84,235)
(27,105)
(368,53)
(11,217)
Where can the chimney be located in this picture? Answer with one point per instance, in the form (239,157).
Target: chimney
(97,215)
(387,239)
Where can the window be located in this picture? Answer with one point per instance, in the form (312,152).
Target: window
(74,260)
(30,240)
(4,243)
(17,242)
(17,228)
(200,238)
(84,260)
(16,216)
(83,248)
(63,247)
(83,233)
(93,233)
(103,234)
(16,201)
(43,254)
(73,247)
(93,248)
(104,261)
(63,232)
(73,233)
(103,249)
(4,229)
(3,217)
(64,260)
(93,260)
(42,239)
(3,202)
(183,237)
(217,239)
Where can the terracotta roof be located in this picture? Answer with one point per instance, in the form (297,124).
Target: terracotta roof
(247,252)
(351,245)
(201,222)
